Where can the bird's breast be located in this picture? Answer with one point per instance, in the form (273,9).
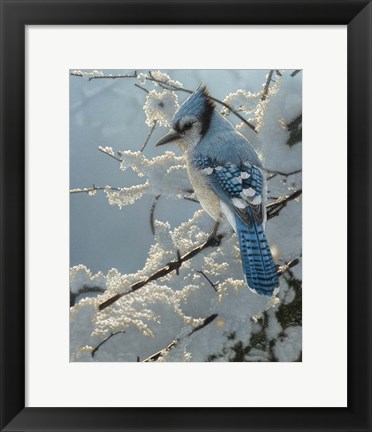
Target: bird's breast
(207,198)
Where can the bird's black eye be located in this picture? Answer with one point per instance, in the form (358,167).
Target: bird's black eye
(187,126)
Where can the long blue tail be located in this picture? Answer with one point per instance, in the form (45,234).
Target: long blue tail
(258,264)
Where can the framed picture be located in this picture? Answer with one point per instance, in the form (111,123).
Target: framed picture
(204,288)
(124,305)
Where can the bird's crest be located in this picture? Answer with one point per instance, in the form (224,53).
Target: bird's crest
(199,105)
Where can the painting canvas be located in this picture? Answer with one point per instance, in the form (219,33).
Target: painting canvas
(186,215)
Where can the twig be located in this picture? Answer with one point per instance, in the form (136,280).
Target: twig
(105,340)
(179,263)
(286,266)
(157,355)
(168,348)
(214,286)
(168,268)
(286,174)
(230,108)
(207,321)
(154,204)
(166,85)
(267,85)
(152,211)
(103,150)
(109,76)
(84,290)
(93,189)
(274,208)
(142,88)
(148,137)
(190,199)
(278,72)
(295,123)
(294,73)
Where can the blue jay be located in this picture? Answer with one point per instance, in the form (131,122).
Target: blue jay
(228,179)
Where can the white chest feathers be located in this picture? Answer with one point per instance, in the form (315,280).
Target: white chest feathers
(207,198)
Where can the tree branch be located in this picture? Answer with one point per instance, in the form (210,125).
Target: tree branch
(274,208)
(142,88)
(267,85)
(214,286)
(93,189)
(109,76)
(295,123)
(148,137)
(84,290)
(105,340)
(108,153)
(157,355)
(288,265)
(168,268)
(282,173)
(294,73)
(152,211)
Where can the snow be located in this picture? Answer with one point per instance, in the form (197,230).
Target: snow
(171,309)
(288,347)
(160,107)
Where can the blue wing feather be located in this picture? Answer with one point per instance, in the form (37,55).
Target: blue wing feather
(244,182)
(240,187)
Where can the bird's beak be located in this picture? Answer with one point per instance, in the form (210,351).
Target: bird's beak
(168,138)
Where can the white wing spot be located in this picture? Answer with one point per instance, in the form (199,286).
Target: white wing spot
(238,202)
(208,170)
(245,175)
(249,192)
(256,200)
(219,168)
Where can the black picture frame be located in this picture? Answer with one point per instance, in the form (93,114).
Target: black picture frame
(15,15)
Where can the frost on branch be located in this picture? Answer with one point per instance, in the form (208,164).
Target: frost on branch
(242,100)
(164,175)
(171,307)
(160,107)
(164,78)
(253,105)
(170,316)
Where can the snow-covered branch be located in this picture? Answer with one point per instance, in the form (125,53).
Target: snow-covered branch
(168,268)
(175,265)
(273,209)
(267,85)
(100,75)
(167,85)
(166,350)
(92,190)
